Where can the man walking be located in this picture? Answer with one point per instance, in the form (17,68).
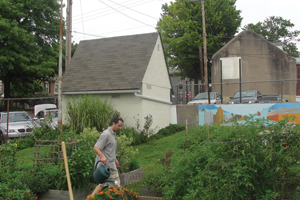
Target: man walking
(106,148)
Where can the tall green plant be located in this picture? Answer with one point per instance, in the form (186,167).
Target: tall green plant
(89,111)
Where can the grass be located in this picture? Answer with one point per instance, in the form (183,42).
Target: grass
(25,156)
(150,152)
(148,155)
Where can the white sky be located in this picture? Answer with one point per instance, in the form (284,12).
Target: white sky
(104,18)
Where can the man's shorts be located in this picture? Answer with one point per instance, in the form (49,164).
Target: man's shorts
(114,175)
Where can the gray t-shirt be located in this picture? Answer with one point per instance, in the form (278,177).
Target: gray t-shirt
(107,143)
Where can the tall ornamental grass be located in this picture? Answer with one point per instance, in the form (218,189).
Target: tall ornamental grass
(89,111)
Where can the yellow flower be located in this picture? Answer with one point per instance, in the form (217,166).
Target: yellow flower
(158,159)
(15,145)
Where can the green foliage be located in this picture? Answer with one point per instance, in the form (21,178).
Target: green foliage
(89,111)
(88,138)
(45,133)
(29,34)
(14,190)
(81,168)
(236,162)
(7,158)
(124,153)
(169,130)
(181,29)
(277,29)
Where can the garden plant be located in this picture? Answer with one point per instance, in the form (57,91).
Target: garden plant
(241,161)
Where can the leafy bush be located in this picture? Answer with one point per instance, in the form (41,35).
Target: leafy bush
(81,168)
(89,111)
(42,134)
(235,162)
(88,138)
(7,158)
(124,153)
(169,130)
(14,190)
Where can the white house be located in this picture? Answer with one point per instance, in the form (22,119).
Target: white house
(131,71)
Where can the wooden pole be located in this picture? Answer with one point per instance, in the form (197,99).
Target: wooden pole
(201,68)
(204,49)
(7,121)
(186,129)
(60,72)
(67,170)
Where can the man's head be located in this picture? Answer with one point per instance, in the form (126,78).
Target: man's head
(117,124)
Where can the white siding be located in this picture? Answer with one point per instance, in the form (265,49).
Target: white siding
(128,105)
(156,86)
(156,82)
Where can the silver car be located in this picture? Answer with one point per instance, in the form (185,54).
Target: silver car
(20,124)
(202,98)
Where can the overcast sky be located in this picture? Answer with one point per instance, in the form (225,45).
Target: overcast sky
(107,18)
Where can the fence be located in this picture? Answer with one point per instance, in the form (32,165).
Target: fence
(55,154)
(185,92)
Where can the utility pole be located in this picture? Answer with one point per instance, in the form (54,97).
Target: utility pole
(68,34)
(201,68)
(204,48)
(60,72)
(205,51)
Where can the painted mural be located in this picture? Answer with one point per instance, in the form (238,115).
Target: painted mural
(226,113)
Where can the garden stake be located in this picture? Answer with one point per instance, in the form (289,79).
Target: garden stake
(186,130)
(207,132)
(67,170)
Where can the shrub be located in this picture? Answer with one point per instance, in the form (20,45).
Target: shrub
(88,138)
(124,153)
(14,190)
(89,111)
(169,130)
(236,162)
(81,168)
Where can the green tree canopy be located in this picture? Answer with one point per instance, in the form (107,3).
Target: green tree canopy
(29,34)
(277,29)
(181,29)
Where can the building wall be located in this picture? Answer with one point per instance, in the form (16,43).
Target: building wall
(156,82)
(261,61)
(132,109)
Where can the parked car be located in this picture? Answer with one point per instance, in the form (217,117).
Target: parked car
(248,96)
(276,99)
(20,124)
(202,98)
(46,114)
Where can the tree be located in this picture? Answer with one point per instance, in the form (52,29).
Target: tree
(29,34)
(277,29)
(180,26)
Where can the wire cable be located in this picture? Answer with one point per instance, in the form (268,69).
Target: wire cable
(126,15)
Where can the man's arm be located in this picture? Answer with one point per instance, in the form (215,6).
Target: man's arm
(117,163)
(99,153)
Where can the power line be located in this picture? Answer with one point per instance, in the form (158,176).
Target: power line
(126,15)
(133,10)
(109,13)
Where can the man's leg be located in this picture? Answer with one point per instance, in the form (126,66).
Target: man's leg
(98,189)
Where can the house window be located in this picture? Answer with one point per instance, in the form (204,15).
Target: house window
(47,87)
(56,88)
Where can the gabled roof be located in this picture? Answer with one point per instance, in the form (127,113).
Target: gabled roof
(117,63)
(246,35)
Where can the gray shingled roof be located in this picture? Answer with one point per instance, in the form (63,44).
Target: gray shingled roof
(117,63)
